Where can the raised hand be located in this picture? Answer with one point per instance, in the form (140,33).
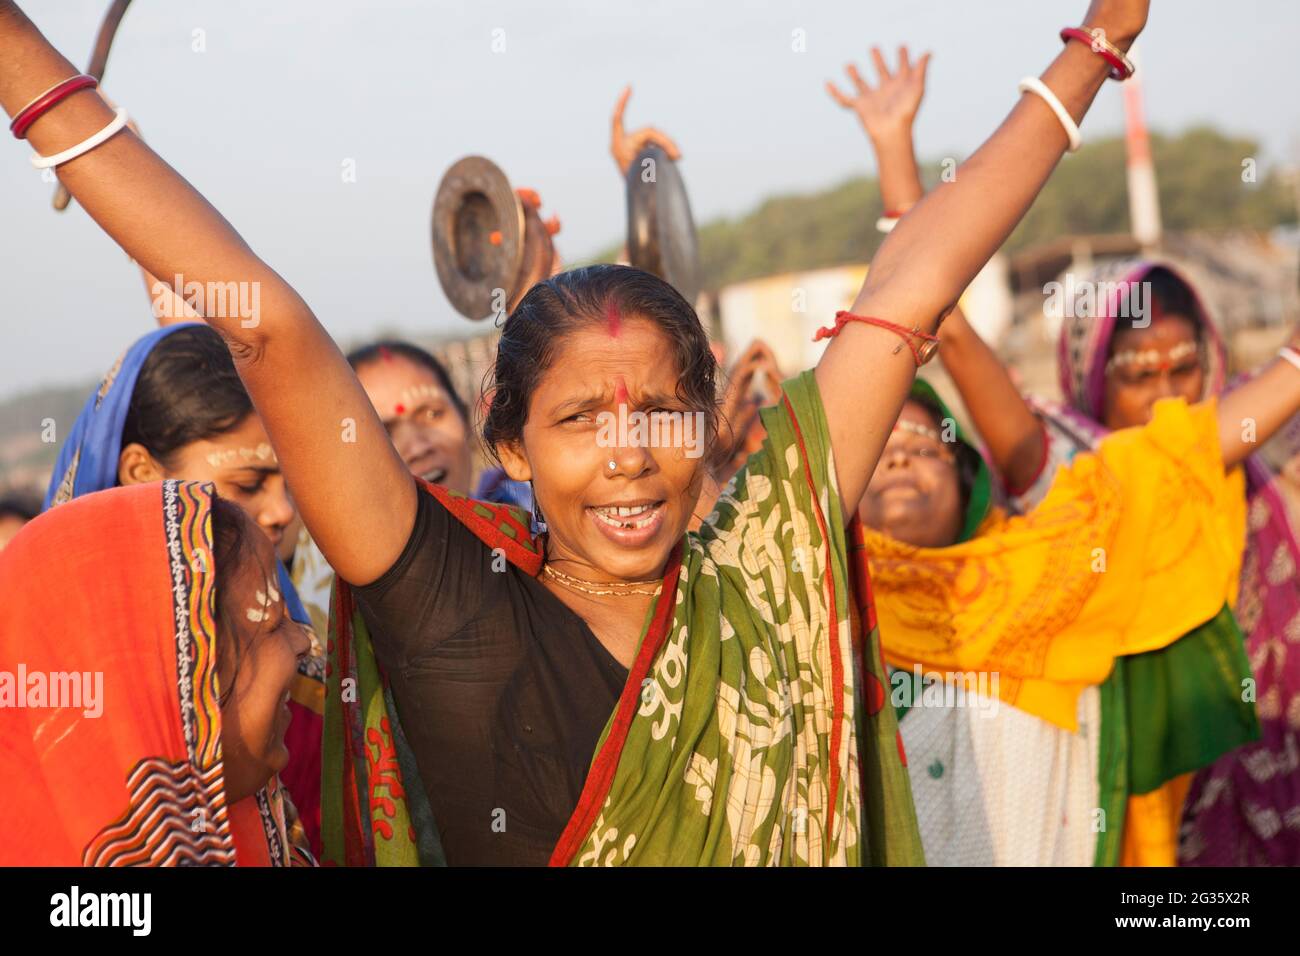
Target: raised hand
(624,146)
(890,107)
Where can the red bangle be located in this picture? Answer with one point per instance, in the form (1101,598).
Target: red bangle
(893,213)
(1121,67)
(38,107)
(843,318)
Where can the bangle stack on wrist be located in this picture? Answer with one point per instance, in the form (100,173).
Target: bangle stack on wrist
(51,98)
(1121,68)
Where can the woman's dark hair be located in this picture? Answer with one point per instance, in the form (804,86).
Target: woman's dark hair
(187,391)
(968,459)
(375,351)
(21,506)
(231,547)
(572,300)
(1168,294)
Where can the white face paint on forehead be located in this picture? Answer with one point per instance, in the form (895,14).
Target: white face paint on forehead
(267,600)
(1152,358)
(412,396)
(263,453)
(904,425)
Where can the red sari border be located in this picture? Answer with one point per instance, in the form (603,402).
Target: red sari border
(837,663)
(601,775)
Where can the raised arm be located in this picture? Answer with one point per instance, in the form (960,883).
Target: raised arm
(1253,412)
(887,111)
(351,487)
(938,247)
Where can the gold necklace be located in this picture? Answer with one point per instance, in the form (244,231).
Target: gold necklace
(620,588)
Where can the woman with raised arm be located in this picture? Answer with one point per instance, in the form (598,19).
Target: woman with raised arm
(1180,354)
(712,675)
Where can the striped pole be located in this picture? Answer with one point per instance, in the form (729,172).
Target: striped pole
(1143,197)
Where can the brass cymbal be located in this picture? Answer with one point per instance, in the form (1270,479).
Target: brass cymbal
(478,237)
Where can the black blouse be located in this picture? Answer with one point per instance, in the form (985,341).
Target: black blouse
(502,690)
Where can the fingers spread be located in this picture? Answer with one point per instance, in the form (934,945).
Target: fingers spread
(859,83)
(839,97)
(921,65)
(882,68)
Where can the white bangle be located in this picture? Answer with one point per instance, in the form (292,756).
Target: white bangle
(1032,84)
(886,224)
(1290,354)
(85,146)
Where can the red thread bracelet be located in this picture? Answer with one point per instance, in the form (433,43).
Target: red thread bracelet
(843,318)
(1121,67)
(38,107)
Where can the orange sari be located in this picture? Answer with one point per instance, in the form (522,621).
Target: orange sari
(110,744)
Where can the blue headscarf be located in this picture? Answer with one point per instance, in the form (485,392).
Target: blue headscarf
(88,460)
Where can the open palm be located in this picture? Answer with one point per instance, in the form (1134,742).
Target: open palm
(890,106)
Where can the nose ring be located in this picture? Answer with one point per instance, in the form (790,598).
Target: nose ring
(612,464)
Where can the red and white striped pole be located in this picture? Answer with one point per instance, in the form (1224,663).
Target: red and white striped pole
(1143,197)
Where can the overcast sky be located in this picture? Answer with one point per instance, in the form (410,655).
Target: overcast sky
(263,119)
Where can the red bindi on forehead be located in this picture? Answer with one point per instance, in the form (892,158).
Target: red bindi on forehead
(621,396)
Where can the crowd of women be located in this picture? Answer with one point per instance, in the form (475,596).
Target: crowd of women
(846,635)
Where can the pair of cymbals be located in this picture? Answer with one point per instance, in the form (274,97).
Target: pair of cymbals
(490,248)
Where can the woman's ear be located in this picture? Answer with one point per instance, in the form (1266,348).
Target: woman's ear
(514,461)
(135,466)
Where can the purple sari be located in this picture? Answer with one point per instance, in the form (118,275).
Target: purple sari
(1244,810)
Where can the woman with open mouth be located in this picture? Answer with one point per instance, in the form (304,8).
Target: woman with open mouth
(425,417)
(615,691)
(179,767)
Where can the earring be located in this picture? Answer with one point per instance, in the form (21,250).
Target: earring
(539,520)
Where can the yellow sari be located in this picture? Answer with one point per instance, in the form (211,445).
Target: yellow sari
(1134,546)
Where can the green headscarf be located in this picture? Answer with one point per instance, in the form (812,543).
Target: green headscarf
(980,497)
